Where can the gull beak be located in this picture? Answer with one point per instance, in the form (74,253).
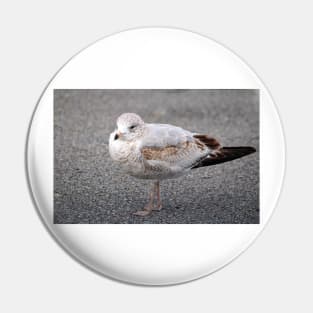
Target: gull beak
(118,135)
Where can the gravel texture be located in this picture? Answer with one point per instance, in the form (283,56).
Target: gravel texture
(90,189)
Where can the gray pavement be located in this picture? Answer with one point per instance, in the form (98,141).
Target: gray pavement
(90,188)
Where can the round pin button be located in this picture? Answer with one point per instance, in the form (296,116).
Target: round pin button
(155,156)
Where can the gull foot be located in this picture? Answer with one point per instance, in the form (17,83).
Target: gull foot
(143,212)
(158,208)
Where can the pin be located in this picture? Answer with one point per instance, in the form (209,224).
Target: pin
(155,156)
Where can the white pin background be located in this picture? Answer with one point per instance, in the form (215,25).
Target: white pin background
(155,58)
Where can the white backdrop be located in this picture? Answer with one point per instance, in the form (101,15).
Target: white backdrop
(273,274)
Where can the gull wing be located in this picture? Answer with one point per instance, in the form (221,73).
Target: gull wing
(171,146)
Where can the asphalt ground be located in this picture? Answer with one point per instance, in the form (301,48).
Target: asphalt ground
(90,189)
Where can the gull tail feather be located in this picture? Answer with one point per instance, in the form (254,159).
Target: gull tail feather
(225,154)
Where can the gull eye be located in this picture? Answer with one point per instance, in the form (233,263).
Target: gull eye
(132,127)
(116,137)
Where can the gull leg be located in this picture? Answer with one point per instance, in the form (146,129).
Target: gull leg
(157,190)
(149,207)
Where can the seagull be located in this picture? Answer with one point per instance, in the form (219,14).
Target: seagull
(162,151)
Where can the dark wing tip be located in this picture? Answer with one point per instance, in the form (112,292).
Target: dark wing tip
(239,150)
(225,154)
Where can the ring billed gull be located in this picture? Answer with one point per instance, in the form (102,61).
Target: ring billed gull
(163,151)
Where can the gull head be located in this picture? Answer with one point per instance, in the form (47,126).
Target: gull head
(129,127)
